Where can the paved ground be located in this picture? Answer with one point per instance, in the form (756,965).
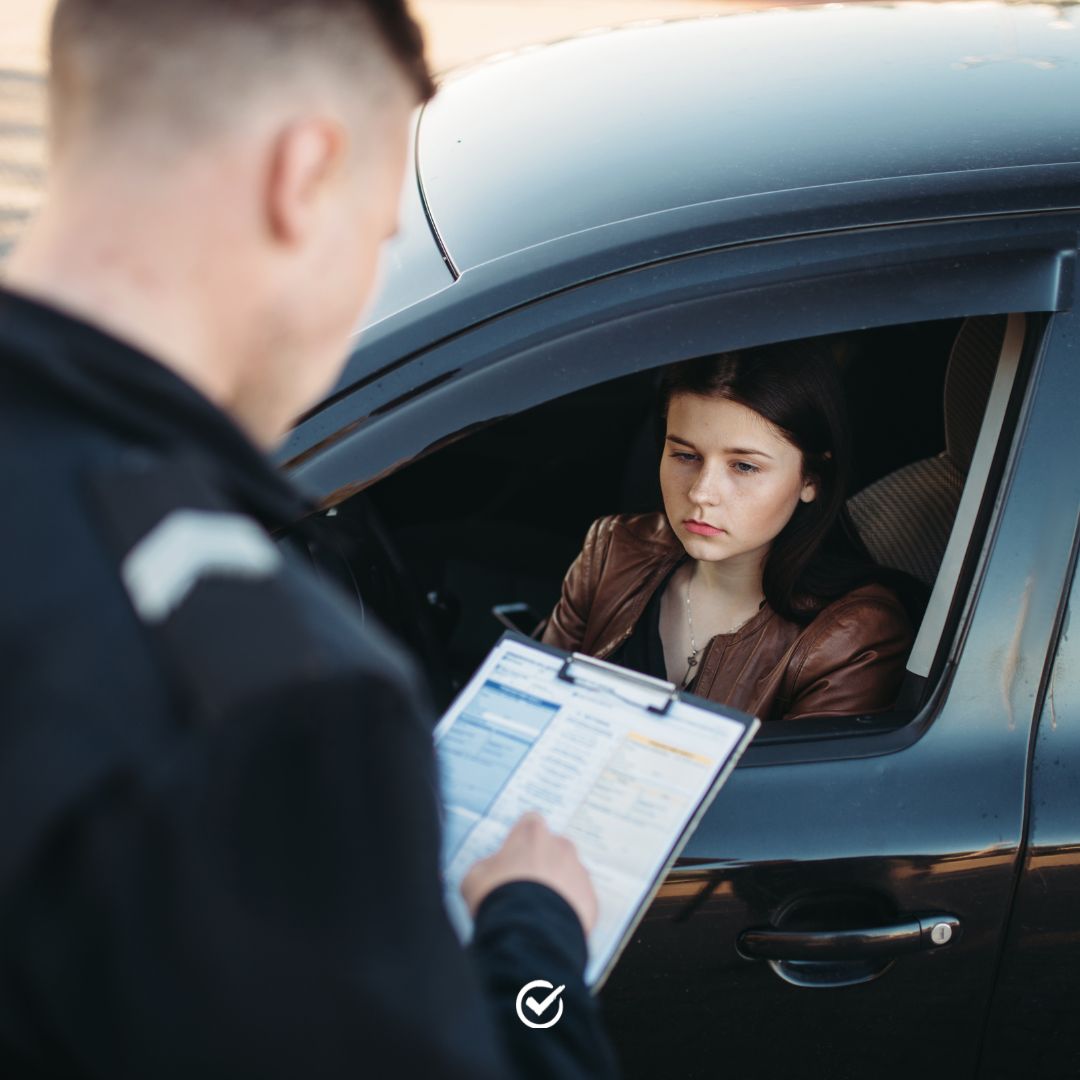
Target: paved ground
(458,31)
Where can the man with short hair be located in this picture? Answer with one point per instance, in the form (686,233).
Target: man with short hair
(219,852)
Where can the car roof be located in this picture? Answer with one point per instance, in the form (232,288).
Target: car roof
(630,122)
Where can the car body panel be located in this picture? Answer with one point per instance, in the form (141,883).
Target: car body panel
(648,120)
(781,176)
(1033,1029)
(931,822)
(1001,148)
(936,827)
(411,265)
(706,302)
(566,262)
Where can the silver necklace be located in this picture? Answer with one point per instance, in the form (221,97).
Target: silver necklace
(692,659)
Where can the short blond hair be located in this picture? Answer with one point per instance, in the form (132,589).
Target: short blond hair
(189,64)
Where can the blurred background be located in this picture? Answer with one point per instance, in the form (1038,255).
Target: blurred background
(457,32)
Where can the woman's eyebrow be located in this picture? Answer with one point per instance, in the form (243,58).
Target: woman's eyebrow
(680,439)
(728,450)
(744,452)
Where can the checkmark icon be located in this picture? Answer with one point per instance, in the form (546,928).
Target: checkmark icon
(539,1007)
(552,1004)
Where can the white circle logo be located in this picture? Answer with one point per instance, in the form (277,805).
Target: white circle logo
(539,1007)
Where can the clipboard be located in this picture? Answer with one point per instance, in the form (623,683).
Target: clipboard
(623,763)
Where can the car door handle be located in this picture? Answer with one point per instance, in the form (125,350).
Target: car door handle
(921,932)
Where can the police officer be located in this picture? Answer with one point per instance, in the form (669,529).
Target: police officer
(219,841)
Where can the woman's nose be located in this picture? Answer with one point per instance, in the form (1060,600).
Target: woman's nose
(705,490)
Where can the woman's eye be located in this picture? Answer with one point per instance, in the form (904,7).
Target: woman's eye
(683,455)
(745,467)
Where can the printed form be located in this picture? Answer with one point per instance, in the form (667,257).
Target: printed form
(623,782)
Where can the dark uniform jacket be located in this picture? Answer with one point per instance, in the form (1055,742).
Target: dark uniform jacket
(218,815)
(849,660)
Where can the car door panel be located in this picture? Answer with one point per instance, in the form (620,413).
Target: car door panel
(654,315)
(933,827)
(827,835)
(1033,1029)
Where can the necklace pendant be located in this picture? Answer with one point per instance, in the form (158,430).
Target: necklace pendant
(691,663)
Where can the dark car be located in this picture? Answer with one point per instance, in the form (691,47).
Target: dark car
(885,896)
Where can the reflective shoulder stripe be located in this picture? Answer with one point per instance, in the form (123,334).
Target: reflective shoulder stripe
(187,546)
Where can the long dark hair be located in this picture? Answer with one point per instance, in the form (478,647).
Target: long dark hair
(817,556)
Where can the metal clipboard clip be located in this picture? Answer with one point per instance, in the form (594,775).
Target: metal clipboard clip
(644,691)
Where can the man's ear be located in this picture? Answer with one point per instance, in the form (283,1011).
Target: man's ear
(305,160)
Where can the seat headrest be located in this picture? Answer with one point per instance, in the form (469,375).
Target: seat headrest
(968,379)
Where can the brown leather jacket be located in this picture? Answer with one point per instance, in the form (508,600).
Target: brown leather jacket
(848,661)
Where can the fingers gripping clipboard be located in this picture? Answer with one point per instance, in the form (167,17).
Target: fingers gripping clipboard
(622,763)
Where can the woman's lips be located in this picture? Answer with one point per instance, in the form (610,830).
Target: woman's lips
(701,528)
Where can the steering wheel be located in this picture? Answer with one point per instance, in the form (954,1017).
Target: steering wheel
(350,545)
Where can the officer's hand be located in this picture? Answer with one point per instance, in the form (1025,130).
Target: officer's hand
(532,852)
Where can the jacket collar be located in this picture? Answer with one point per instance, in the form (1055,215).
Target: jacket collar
(122,389)
(656,552)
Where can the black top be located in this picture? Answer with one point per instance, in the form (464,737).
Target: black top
(220,844)
(643,650)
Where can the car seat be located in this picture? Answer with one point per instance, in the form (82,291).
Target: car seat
(906,517)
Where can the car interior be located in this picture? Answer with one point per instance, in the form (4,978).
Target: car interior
(475,537)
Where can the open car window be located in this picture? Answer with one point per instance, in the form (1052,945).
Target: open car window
(489,523)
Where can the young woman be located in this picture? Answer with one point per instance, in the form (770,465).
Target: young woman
(747,589)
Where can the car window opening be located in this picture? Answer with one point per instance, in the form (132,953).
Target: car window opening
(491,523)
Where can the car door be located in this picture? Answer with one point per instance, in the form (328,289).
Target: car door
(1033,1029)
(894,851)
(842,909)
